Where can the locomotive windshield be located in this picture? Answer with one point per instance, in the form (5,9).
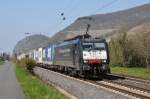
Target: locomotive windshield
(93,46)
(99,46)
(87,46)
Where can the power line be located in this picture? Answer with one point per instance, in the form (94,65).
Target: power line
(102,7)
(73,7)
(65,15)
(106,5)
(61,15)
(68,5)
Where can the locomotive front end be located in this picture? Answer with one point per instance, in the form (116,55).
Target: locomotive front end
(95,56)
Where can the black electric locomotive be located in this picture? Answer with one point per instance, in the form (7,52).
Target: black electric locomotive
(82,56)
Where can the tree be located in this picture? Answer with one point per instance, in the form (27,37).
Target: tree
(141,46)
(118,49)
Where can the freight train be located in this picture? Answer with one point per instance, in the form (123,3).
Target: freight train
(77,56)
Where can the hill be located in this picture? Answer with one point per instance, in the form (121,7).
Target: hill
(31,42)
(107,25)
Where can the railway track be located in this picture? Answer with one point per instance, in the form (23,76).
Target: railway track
(130,85)
(140,84)
(138,88)
(121,84)
(144,80)
(129,89)
(121,88)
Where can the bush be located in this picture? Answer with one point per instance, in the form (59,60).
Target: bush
(1,59)
(28,63)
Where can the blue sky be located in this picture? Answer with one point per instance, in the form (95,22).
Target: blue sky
(18,17)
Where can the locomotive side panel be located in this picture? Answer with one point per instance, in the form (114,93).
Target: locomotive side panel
(66,56)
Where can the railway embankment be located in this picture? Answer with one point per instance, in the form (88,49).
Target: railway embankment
(79,88)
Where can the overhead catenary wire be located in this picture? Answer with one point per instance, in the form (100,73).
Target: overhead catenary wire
(98,9)
(71,10)
(64,11)
(101,8)
(64,15)
(59,14)
(106,5)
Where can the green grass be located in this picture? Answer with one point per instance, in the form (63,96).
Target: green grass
(1,62)
(34,88)
(134,71)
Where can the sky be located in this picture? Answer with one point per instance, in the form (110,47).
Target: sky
(18,17)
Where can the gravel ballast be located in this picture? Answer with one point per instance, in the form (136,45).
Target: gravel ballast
(80,89)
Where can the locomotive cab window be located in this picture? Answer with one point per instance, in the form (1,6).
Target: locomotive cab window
(99,46)
(94,46)
(87,46)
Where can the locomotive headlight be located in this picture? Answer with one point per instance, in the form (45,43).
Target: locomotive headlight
(104,61)
(85,61)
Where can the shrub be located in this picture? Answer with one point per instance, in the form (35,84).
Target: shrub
(30,64)
(27,63)
(1,59)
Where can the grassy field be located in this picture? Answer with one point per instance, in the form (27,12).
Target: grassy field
(134,71)
(35,88)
